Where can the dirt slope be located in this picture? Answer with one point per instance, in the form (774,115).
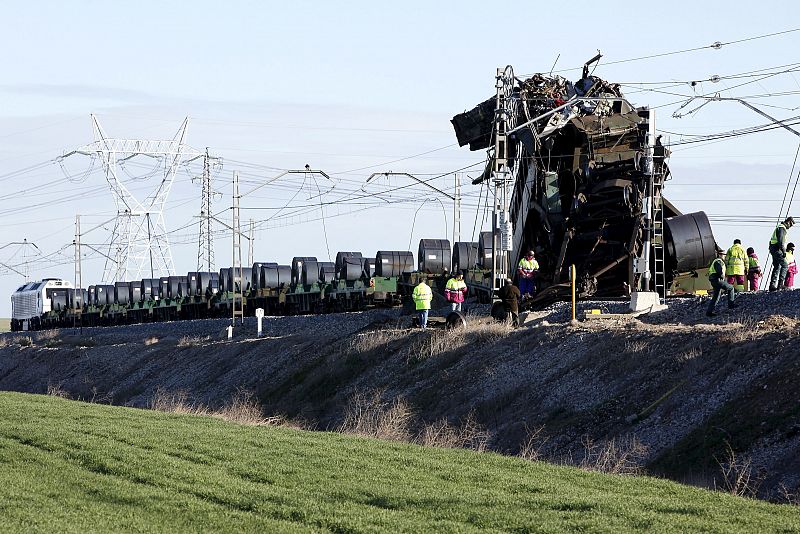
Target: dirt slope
(671,391)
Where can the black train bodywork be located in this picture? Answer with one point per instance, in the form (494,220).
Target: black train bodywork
(579,185)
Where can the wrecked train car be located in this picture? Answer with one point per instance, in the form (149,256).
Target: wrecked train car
(588,175)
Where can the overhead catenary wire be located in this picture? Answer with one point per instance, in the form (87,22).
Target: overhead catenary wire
(713,79)
(396,160)
(713,46)
(322,216)
(788,184)
(370,195)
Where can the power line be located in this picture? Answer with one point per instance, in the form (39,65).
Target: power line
(694,138)
(713,79)
(19,172)
(398,160)
(371,195)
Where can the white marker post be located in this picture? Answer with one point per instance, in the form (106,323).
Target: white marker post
(260,316)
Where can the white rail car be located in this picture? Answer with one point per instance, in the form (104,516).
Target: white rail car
(31,301)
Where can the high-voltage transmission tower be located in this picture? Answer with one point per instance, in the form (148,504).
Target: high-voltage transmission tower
(139,239)
(205,243)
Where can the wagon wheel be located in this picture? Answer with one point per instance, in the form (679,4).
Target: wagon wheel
(455,319)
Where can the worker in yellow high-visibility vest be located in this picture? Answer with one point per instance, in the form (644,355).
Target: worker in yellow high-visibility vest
(422,296)
(716,276)
(735,265)
(526,271)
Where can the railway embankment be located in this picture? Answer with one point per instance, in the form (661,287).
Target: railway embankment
(709,402)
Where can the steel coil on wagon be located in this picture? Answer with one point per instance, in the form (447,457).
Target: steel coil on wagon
(223,279)
(104,295)
(178,287)
(350,269)
(199,283)
(192,283)
(59,299)
(270,276)
(310,273)
(433,256)
(258,269)
(393,262)
(135,292)
(485,252)
(298,265)
(465,255)
(327,272)
(80,299)
(163,287)
(69,293)
(229,279)
(278,277)
(346,265)
(243,279)
(149,288)
(122,293)
(207,284)
(284,275)
(76,298)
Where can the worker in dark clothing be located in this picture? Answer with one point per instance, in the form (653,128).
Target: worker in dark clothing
(777,248)
(509,295)
(716,276)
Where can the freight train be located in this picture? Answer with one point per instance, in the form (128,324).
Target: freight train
(307,286)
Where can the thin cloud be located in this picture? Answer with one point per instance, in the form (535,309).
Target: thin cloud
(79,91)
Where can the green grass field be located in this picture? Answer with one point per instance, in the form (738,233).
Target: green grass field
(75,467)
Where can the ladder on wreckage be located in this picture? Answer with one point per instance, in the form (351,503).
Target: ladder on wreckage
(657,244)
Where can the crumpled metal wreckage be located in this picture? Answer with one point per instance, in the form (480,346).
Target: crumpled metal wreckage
(580,182)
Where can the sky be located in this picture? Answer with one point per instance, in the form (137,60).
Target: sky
(353,88)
